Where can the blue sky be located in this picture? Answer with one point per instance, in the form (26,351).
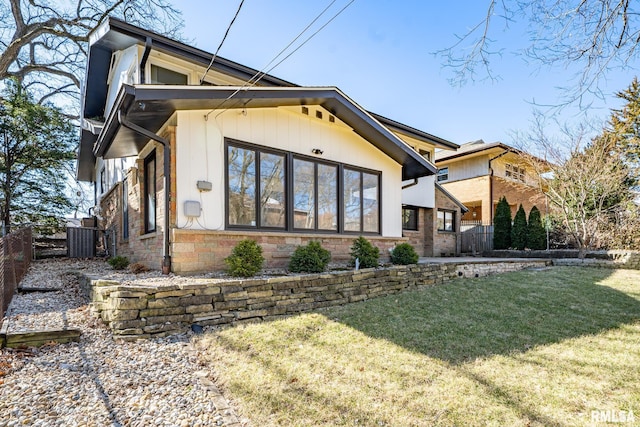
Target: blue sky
(379,53)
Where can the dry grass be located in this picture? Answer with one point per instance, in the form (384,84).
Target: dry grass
(526,348)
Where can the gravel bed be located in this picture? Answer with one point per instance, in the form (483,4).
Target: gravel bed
(100,381)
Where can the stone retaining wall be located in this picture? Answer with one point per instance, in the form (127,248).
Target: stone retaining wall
(143,311)
(610,259)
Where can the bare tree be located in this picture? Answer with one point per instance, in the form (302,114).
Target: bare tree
(597,36)
(43,43)
(584,178)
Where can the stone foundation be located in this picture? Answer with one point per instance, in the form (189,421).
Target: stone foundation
(143,311)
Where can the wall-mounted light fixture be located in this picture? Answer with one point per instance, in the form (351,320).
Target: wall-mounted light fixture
(317,151)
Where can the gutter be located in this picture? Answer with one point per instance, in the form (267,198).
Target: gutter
(166,257)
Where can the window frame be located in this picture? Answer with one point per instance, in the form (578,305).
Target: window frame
(289,172)
(453,220)
(416,215)
(125,209)
(442,175)
(150,158)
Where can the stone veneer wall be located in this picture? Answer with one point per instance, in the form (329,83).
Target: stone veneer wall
(143,311)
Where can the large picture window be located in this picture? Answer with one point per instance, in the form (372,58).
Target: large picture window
(150,193)
(268,189)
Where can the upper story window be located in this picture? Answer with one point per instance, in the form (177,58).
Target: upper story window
(425,153)
(514,172)
(443,174)
(165,76)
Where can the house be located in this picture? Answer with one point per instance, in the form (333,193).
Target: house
(479,174)
(187,162)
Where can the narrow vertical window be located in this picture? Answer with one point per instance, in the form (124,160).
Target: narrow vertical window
(352,200)
(327,197)
(125,209)
(304,194)
(150,192)
(370,203)
(241,169)
(272,191)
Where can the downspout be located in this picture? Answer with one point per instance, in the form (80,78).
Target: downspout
(166,257)
(143,61)
(491,184)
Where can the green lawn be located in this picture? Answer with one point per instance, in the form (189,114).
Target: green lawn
(527,348)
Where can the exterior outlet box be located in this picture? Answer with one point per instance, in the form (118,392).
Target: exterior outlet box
(204,185)
(192,208)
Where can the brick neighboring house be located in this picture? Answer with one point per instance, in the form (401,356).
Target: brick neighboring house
(479,174)
(186,163)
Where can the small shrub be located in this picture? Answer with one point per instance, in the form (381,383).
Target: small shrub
(118,262)
(245,260)
(363,250)
(138,267)
(312,258)
(404,254)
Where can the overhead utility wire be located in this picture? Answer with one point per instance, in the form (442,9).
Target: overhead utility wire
(263,73)
(226,33)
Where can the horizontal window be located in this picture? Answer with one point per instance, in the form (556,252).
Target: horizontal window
(270,189)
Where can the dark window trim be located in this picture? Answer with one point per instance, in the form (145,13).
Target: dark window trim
(417,216)
(289,156)
(150,158)
(443,176)
(453,220)
(125,209)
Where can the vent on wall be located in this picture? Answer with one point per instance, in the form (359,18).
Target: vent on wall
(305,110)
(318,114)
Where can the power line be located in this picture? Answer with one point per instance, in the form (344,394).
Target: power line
(226,33)
(262,73)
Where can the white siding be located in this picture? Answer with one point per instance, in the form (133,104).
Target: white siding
(124,70)
(200,155)
(422,194)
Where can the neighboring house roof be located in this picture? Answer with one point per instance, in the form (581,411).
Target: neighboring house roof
(115,34)
(150,106)
(415,133)
(472,148)
(463,208)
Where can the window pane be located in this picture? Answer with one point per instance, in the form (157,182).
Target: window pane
(448,221)
(441,220)
(409,219)
(125,209)
(242,186)
(351,200)
(304,194)
(370,202)
(161,75)
(327,197)
(150,192)
(272,200)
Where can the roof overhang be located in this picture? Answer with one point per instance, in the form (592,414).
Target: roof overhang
(151,106)
(415,133)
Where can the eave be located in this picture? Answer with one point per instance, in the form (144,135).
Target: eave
(150,106)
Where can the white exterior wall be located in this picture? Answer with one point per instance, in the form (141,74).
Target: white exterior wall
(200,155)
(423,194)
(123,70)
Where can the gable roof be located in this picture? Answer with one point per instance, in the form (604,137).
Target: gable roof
(114,140)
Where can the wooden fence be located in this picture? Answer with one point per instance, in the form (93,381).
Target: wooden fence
(17,251)
(476,239)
